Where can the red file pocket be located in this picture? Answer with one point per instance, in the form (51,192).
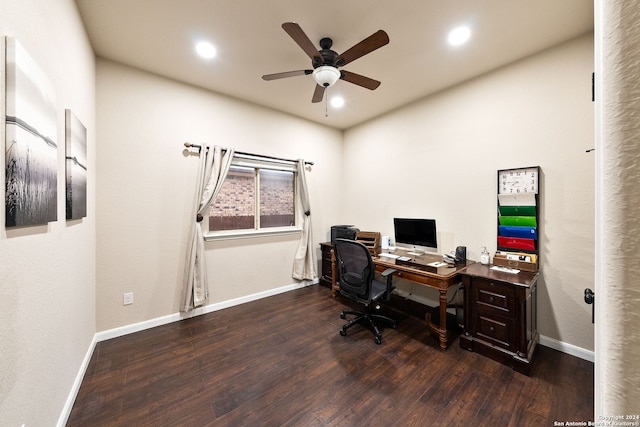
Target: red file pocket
(516,243)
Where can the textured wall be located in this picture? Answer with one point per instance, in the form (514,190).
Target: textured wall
(618,342)
(47,273)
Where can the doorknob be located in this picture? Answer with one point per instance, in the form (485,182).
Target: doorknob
(590,298)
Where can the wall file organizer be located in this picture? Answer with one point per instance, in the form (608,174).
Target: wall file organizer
(518,212)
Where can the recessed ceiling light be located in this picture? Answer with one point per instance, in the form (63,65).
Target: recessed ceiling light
(337,102)
(459,35)
(206,50)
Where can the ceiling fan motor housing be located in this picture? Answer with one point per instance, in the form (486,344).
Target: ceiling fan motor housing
(328,56)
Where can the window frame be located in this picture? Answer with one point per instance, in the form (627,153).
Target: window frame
(258,162)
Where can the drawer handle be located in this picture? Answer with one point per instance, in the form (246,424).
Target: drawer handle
(492,329)
(492,299)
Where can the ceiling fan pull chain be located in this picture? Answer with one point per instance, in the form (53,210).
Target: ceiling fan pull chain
(326,102)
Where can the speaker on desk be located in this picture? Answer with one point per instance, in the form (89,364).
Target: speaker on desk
(461,254)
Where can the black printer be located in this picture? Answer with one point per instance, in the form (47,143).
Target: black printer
(343,232)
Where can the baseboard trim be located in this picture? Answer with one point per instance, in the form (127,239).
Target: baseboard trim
(571,349)
(175,317)
(75,388)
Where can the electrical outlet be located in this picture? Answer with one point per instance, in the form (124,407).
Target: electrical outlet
(127,298)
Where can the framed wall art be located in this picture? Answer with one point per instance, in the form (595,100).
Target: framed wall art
(76,167)
(31,151)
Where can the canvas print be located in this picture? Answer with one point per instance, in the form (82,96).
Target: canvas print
(76,166)
(31,152)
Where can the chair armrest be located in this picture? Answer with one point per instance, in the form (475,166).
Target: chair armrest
(388,275)
(388,272)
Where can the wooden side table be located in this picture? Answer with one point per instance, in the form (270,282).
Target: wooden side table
(500,315)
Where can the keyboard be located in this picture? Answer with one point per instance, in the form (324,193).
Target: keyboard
(386,255)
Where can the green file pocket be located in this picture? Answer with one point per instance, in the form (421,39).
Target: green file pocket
(520,221)
(518,210)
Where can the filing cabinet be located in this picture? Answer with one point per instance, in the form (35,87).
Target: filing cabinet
(500,318)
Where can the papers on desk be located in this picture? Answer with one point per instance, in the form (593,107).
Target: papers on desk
(437,264)
(505,269)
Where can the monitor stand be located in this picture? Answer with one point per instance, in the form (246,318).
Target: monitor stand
(415,253)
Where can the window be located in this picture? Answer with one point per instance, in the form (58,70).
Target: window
(257,196)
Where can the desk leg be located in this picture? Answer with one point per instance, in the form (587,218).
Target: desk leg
(440,329)
(334,282)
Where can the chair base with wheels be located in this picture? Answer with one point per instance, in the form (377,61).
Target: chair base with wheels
(369,320)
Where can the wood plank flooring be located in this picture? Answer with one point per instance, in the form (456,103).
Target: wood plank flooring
(280,361)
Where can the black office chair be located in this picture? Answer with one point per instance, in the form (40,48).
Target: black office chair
(356,270)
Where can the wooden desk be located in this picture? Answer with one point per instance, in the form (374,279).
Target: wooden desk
(417,271)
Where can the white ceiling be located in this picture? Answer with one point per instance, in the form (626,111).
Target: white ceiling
(158,36)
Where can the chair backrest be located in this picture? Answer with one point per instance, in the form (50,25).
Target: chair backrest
(355,269)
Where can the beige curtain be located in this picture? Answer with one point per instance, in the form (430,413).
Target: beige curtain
(213,168)
(304,263)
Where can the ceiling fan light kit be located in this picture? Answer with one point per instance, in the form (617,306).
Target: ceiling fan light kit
(326,75)
(326,62)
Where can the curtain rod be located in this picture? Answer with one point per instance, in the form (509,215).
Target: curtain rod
(199,147)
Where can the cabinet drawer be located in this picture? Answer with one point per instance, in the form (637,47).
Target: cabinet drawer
(326,252)
(497,331)
(494,296)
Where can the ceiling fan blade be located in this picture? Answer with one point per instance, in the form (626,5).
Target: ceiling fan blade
(318,94)
(359,80)
(301,39)
(371,43)
(286,74)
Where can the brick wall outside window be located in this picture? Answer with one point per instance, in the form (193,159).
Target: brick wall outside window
(237,195)
(233,208)
(276,194)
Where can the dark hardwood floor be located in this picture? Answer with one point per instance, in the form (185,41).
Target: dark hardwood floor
(281,362)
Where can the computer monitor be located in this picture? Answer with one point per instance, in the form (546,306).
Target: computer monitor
(417,234)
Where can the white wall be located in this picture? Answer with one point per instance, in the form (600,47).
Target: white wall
(438,158)
(145,191)
(47,273)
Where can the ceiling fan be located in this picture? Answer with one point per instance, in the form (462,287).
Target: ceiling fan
(325,62)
